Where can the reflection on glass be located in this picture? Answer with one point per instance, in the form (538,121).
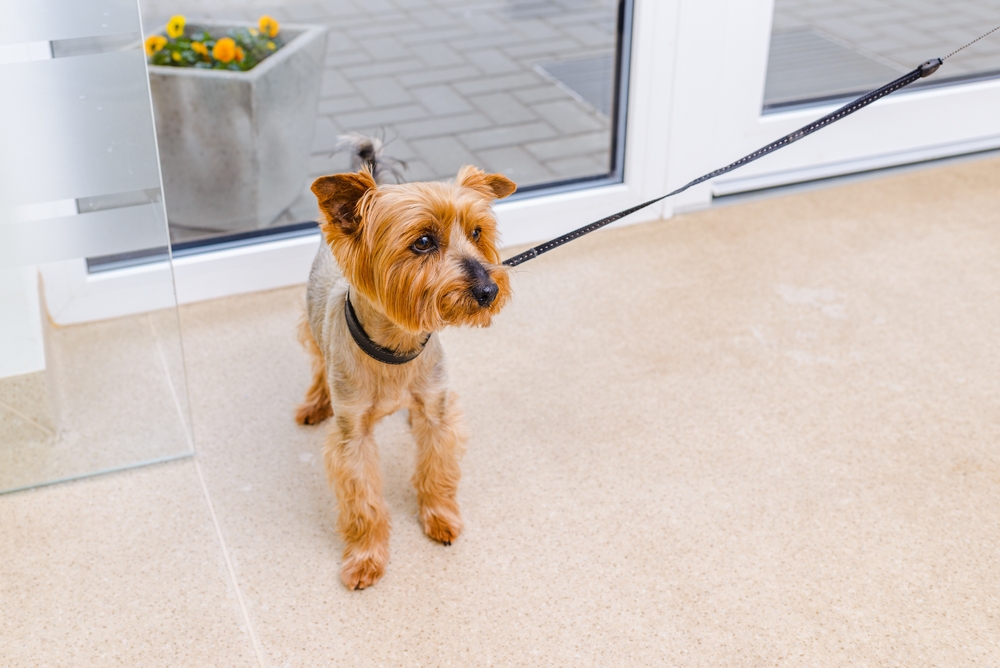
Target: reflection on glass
(822,50)
(91,371)
(523,87)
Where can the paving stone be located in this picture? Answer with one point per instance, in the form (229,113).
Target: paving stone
(566,147)
(306,13)
(329,163)
(439,75)
(435,18)
(516,164)
(444,35)
(542,93)
(377,6)
(463,42)
(338,105)
(492,61)
(384,48)
(484,23)
(418,170)
(397,26)
(413,4)
(337,41)
(489,84)
(325,135)
(382,116)
(443,125)
(588,34)
(436,54)
(382,91)
(555,49)
(580,166)
(577,16)
(398,148)
(507,135)
(335,85)
(441,100)
(342,59)
(341,9)
(371,70)
(444,155)
(503,108)
(569,116)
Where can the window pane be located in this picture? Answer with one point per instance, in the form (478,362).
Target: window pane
(823,50)
(522,87)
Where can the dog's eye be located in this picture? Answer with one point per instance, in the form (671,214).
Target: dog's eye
(424,244)
(475,234)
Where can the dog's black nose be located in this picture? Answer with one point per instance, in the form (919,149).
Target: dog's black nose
(485,292)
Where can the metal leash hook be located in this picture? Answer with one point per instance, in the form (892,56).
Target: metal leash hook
(923,71)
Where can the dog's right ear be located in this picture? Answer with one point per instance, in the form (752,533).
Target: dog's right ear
(339,196)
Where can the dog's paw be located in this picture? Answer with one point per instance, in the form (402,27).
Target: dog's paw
(442,525)
(308,414)
(362,572)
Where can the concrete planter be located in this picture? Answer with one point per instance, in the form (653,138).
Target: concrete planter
(234,146)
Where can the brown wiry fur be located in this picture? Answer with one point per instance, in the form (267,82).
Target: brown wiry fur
(400,297)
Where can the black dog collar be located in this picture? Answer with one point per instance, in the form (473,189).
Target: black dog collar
(372,349)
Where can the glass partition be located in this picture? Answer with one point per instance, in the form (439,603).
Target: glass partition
(822,50)
(91,375)
(529,88)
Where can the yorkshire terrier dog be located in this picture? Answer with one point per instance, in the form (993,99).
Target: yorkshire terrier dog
(399,263)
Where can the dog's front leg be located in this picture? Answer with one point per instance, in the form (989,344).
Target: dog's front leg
(363,520)
(437,427)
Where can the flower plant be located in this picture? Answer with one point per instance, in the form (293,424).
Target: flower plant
(240,49)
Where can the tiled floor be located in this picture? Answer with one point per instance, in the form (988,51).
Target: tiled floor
(762,434)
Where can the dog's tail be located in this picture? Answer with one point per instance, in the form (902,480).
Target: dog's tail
(370,152)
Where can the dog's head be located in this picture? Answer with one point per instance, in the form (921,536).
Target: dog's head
(426,253)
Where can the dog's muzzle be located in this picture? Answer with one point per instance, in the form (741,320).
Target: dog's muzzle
(484,289)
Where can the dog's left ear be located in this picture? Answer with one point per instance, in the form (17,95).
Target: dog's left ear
(494,186)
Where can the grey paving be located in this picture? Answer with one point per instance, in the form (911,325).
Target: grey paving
(525,85)
(857,39)
(450,82)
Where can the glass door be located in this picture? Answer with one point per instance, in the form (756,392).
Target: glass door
(751,71)
(91,380)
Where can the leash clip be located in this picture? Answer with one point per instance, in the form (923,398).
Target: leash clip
(930,67)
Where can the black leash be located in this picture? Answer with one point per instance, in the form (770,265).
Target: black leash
(924,70)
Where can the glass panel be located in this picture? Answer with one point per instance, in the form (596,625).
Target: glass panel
(822,50)
(91,372)
(49,20)
(529,88)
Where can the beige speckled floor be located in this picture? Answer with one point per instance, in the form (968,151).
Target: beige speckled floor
(766,434)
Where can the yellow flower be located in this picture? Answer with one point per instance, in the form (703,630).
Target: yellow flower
(268,26)
(175,26)
(254,32)
(154,43)
(176,56)
(239,54)
(200,49)
(272,46)
(224,50)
